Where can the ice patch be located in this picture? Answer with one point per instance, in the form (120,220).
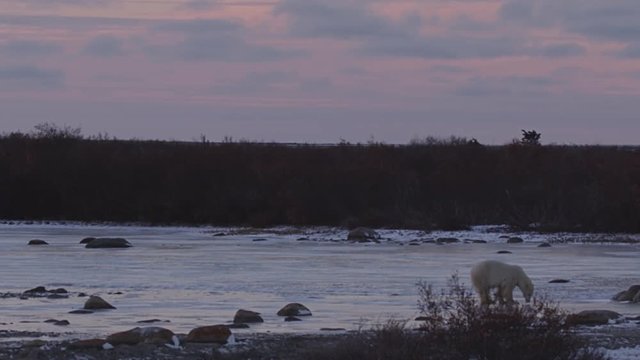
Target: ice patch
(107,346)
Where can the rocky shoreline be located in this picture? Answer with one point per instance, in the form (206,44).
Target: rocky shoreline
(256,346)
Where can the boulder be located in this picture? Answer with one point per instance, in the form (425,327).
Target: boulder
(592,317)
(363,234)
(97,303)
(247,316)
(514,240)
(628,295)
(209,334)
(103,243)
(38,242)
(147,335)
(294,309)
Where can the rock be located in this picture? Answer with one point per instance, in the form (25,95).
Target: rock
(87,344)
(209,334)
(292,318)
(447,240)
(59,291)
(247,316)
(628,295)
(478,241)
(503,252)
(51,321)
(147,335)
(81,311)
(332,329)
(150,321)
(87,240)
(102,243)
(544,244)
(97,303)
(558,281)
(36,290)
(514,240)
(259,240)
(61,323)
(362,234)
(38,242)
(592,317)
(294,309)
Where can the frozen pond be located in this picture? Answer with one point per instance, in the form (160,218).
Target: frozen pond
(191,277)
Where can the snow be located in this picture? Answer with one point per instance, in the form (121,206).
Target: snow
(192,278)
(629,353)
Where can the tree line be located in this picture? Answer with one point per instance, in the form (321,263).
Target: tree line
(433,185)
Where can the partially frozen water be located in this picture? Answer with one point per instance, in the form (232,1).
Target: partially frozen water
(192,278)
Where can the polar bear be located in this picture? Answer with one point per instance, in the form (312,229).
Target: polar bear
(490,274)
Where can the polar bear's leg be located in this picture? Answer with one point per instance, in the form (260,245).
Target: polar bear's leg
(506,293)
(485,296)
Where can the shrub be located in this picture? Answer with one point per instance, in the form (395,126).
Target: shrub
(455,326)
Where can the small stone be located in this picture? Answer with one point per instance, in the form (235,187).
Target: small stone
(61,323)
(87,240)
(503,252)
(36,290)
(105,243)
(558,281)
(294,309)
(150,321)
(81,311)
(544,244)
(247,316)
(97,303)
(38,242)
(514,240)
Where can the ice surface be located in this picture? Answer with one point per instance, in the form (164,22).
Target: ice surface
(193,278)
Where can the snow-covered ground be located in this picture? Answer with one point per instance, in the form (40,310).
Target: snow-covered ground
(202,276)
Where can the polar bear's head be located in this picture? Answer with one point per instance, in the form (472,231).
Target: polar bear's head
(526,286)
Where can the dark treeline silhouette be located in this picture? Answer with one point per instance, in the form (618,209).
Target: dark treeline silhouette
(439,184)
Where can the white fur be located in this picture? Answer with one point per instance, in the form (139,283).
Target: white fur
(492,274)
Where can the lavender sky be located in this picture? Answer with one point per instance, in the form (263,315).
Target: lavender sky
(323,71)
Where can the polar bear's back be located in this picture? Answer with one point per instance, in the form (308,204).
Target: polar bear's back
(490,273)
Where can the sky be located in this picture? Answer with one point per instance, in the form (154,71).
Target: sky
(324,71)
